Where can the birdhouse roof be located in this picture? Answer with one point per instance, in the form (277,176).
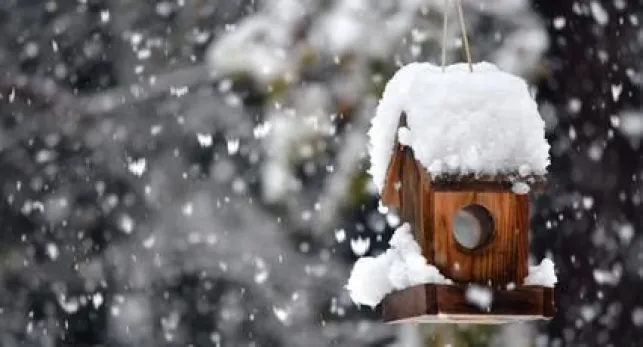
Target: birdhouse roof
(459,123)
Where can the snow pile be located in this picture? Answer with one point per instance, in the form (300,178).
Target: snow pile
(542,275)
(369,282)
(400,267)
(485,122)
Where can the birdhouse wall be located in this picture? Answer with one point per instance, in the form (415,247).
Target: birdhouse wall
(411,196)
(408,192)
(504,259)
(392,194)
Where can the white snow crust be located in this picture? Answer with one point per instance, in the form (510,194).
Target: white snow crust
(400,267)
(542,275)
(485,122)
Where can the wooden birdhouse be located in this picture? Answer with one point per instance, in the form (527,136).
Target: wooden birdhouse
(454,154)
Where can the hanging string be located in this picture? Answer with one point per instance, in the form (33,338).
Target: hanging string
(445,26)
(465,38)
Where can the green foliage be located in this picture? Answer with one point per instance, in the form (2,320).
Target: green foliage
(357,193)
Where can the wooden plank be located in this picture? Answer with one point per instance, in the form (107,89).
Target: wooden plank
(427,213)
(495,183)
(520,257)
(476,177)
(391,194)
(410,210)
(411,302)
(441,237)
(484,186)
(549,305)
(495,319)
(520,301)
(503,260)
(448,303)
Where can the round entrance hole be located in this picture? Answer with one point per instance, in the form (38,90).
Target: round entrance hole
(473,227)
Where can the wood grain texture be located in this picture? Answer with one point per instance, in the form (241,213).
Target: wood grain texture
(427,209)
(431,302)
(520,301)
(412,302)
(408,192)
(504,259)
(391,194)
(410,208)
(520,257)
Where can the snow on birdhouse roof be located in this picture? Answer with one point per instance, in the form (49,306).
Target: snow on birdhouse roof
(459,122)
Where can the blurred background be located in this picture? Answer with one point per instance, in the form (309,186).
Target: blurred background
(192,172)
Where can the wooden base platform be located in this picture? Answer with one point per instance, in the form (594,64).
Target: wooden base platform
(435,303)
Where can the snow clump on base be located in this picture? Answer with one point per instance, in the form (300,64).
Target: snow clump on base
(479,296)
(400,267)
(542,275)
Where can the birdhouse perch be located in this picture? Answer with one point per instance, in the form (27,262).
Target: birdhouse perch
(454,154)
